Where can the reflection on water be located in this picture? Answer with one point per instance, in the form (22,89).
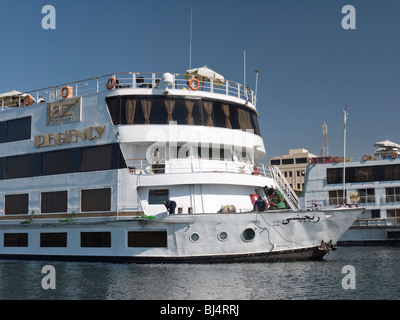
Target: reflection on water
(377,277)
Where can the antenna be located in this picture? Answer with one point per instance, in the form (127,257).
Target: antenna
(257,72)
(191,30)
(345,114)
(244,68)
(325,148)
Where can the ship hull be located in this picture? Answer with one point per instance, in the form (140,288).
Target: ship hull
(204,238)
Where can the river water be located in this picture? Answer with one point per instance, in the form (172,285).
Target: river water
(373,274)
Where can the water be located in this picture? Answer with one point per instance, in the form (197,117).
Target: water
(377,276)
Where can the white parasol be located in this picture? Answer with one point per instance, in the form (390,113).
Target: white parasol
(387,144)
(205,74)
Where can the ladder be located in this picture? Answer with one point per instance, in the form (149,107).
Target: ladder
(284,187)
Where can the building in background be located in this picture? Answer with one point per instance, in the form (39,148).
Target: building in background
(293,166)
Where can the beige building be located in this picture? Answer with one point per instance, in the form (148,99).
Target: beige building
(293,167)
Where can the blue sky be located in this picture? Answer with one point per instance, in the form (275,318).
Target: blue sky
(310,66)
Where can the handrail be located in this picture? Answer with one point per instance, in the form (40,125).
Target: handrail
(192,165)
(284,187)
(128,80)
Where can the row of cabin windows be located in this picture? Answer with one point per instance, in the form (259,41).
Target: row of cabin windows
(198,112)
(135,239)
(367,195)
(364,174)
(57,202)
(104,157)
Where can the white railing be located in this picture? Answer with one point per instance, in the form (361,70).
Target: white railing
(126,80)
(284,187)
(192,165)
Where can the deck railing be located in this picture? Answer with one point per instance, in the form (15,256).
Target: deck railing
(126,80)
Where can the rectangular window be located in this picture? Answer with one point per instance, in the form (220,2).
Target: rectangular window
(392,194)
(275,162)
(16,204)
(158,196)
(393,213)
(364,174)
(96,200)
(61,161)
(54,202)
(15,240)
(288,161)
(301,160)
(97,158)
(23,166)
(96,239)
(376,213)
(393,234)
(147,239)
(53,240)
(335,197)
(367,195)
(19,129)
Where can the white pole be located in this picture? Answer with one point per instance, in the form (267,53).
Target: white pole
(257,72)
(244,69)
(344,155)
(190,44)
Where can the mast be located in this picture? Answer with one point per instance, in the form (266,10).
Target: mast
(345,114)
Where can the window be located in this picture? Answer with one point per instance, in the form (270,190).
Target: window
(275,162)
(335,197)
(364,174)
(15,240)
(85,159)
(97,158)
(53,240)
(147,239)
(376,213)
(287,161)
(392,194)
(16,204)
(54,202)
(301,160)
(162,110)
(96,239)
(15,130)
(96,200)
(158,196)
(367,195)
(248,234)
(393,214)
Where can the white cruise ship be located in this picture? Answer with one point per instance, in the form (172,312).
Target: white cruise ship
(372,181)
(85,168)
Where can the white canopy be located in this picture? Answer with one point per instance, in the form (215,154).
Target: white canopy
(10,94)
(387,145)
(205,74)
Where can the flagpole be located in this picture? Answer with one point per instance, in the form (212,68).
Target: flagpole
(344,155)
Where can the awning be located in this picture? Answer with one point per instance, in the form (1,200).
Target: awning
(205,74)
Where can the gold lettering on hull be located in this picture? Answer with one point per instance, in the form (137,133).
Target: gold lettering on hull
(68,136)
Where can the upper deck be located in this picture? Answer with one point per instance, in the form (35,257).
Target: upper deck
(142,82)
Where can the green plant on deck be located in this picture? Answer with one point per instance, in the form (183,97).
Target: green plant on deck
(27,221)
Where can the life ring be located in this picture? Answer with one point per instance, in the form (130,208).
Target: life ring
(310,161)
(27,100)
(365,157)
(394,155)
(197,84)
(337,159)
(111,83)
(65,92)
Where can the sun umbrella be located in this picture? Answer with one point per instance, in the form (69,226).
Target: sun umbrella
(387,144)
(205,74)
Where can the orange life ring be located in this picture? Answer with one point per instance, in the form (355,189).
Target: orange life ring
(365,157)
(310,161)
(27,100)
(65,92)
(111,83)
(197,82)
(337,159)
(394,155)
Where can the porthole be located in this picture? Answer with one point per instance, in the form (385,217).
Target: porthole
(223,236)
(194,237)
(248,234)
